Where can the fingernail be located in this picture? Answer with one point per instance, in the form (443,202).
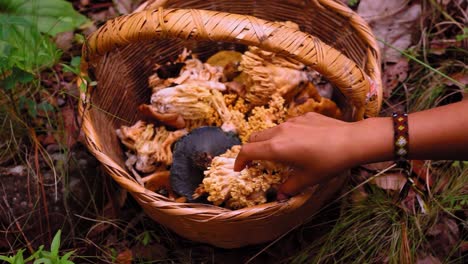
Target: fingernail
(282,197)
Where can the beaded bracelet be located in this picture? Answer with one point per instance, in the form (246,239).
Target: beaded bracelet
(401,136)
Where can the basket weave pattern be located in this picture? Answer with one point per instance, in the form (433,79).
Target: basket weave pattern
(120,56)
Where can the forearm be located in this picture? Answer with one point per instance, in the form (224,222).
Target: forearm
(439,133)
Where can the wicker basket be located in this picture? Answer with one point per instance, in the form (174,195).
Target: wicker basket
(120,55)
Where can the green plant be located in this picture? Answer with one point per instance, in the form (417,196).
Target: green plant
(353,3)
(462,36)
(41,256)
(26,28)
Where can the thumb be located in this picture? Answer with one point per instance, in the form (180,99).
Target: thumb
(296,182)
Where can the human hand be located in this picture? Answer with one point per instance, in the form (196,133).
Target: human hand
(317,147)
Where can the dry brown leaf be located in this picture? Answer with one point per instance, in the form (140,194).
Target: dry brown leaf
(64,40)
(443,236)
(460,77)
(393,75)
(151,5)
(392,22)
(124,257)
(359,195)
(124,7)
(390,181)
(428,260)
(71,127)
(151,252)
(439,46)
(464,246)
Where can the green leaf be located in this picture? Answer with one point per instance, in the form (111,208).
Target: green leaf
(19,259)
(67,256)
(51,16)
(42,261)
(16,75)
(54,247)
(27,48)
(67,68)
(146,238)
(45,106)
(79,38)
(83,87)
(75,62)
(7,259)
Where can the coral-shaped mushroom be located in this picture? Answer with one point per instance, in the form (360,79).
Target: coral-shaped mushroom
(246,188)
(151,146)
(267,73)
(260,118)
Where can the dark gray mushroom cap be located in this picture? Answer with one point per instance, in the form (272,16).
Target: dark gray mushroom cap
(193,154)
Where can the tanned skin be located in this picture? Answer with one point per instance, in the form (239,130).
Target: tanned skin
(319,147)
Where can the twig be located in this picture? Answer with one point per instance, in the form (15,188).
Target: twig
(40,180)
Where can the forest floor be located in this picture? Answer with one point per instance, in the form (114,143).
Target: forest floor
(50,182)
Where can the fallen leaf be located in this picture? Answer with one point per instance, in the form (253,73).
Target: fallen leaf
(124,257)
(460,77)
(392,22)
(151,5)
(429,259)
(443,236)
(390,181)
(71,127)
(359,195)
(151,252)
(394,74)
(439,46)
(64,40)
(464,246)
(48,139)
(124,7)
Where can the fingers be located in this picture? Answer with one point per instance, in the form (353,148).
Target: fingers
(253,151)
(296,182)
(263,135)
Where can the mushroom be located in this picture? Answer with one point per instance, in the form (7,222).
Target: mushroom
(229,60)
(260,118)
(268,73)
(150,145)
(236,190)
(310,100)
(193,154)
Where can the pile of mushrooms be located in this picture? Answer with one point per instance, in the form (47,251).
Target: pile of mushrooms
(199,115)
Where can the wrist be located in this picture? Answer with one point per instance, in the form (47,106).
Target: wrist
(372,140)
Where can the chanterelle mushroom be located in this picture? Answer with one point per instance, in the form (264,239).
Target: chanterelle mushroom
(150,146)
(310,100)
(246,188)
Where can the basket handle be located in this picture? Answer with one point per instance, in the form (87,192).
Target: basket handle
(197,24)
